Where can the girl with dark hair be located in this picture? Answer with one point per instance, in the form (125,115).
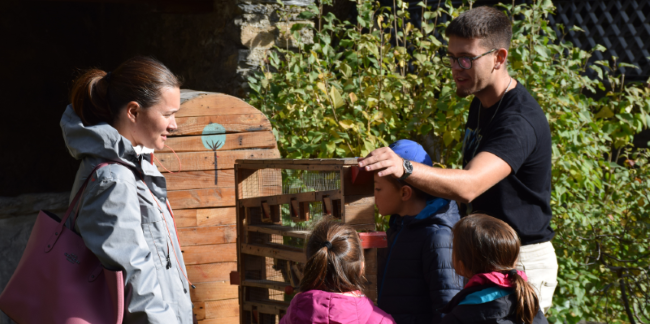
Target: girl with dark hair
(124,217)
(331,290)
(485,250)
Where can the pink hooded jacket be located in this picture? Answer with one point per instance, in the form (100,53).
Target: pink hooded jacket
(321,307)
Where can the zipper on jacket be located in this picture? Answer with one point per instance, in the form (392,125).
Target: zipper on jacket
(390,251)
(169,260)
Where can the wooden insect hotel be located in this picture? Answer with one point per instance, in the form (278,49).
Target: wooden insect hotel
(277,201)
(214,130)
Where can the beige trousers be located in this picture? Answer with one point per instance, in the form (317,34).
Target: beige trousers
(539,263)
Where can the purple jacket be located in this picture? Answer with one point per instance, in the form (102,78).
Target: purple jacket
(321,307)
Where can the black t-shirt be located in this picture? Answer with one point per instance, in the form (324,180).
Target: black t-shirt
(519,134)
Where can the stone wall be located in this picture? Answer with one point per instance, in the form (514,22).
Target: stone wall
(265,24)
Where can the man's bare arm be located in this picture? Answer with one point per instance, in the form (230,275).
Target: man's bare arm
(480,174)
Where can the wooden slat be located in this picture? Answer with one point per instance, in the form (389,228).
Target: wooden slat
(207,235)
(235,141)
(200,179)
(201,254)
(219,271)
(345,161)
(223,320)
(359,210)
(222,308)
(268,284)
(284,254)
(201,198)
(197,161)
(370,256)
(205,217)
(199,310)
(216,290)
(279,230)
(215,104)
(364,227)
(286,198)
(315,167)
(268,307)
(232,123)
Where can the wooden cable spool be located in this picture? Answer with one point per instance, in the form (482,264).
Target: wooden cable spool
(214,130)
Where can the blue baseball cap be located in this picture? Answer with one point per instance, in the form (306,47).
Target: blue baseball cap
(412,151)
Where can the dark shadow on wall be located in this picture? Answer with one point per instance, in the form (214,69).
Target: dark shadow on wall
(45,44)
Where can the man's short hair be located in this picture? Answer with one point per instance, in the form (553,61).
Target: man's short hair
(486,23)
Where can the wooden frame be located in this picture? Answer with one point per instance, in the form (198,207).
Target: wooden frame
(267,267)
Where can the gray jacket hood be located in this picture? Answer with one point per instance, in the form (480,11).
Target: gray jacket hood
(100,141)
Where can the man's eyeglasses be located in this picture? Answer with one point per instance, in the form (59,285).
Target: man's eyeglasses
(465,62)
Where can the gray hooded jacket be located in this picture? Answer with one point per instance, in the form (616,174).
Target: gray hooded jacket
(124,227)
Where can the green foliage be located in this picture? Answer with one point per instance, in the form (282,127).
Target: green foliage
(361,86)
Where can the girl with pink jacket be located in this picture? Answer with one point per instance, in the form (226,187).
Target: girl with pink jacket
(332,285)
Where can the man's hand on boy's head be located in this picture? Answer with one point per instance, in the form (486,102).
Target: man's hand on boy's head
(383,158)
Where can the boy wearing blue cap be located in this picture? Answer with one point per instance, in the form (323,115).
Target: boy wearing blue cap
(416,277)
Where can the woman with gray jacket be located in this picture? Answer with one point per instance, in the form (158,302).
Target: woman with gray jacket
(124,216)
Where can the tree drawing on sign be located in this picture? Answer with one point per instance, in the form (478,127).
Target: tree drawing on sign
(214,138)
(214,146)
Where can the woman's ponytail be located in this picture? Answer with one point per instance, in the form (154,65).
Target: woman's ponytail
(98,96)
(527,301)
(89,97)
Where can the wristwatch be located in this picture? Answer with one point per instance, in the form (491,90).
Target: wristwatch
(408,169)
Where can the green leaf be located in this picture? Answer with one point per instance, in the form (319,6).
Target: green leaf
(346,70)
(428,27)
(605,112)
(347,124)
(628,65)
(335,95)
(331,146)
(372,102)
(542,51)
(600,48)
(577,28)
(447,138)
(353,97)
(321,86)
(307,15)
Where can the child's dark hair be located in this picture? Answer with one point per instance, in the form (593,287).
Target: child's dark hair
(417,193)
(485,244)
(334,259)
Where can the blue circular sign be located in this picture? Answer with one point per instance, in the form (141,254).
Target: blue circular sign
(213,136)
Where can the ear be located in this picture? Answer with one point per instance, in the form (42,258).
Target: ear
(406,192)
(500,59)
(132,111)
(363,267)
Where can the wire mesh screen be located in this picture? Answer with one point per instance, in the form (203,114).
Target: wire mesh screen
(622,26)
(270,182)
(299,181)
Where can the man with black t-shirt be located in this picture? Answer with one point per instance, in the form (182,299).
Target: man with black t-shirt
(506,150)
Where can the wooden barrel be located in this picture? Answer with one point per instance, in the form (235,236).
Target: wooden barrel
(214,130)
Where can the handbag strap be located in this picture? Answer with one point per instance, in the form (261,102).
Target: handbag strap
(59,228)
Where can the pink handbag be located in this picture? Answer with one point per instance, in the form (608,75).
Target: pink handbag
(59,280)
